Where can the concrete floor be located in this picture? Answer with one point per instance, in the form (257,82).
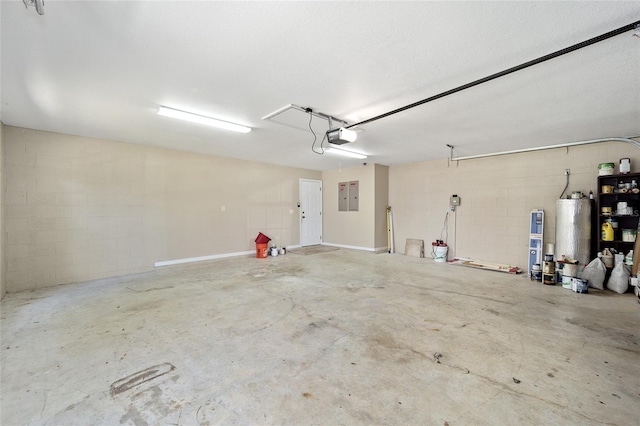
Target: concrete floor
(340,337)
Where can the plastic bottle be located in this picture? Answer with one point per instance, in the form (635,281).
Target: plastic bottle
(625,165)
(607,231)
(629,258)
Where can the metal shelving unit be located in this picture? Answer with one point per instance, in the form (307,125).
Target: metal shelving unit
(619,193)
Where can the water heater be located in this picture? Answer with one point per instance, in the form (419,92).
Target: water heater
(573,230)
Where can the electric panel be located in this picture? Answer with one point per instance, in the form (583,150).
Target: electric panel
(348,196)
(343,196)
(354,192)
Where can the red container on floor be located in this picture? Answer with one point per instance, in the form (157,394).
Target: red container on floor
(262,250)
(262,239)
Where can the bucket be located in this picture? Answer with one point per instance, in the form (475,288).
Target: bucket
(440,253)
(569,270)
(262,239)
(605,169)
(262,250)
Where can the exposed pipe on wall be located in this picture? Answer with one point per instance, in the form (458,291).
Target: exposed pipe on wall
(541,148)
(605,36)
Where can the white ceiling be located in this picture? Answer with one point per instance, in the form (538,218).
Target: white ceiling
(101,69)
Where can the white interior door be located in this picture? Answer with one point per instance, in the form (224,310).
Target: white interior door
(310,212)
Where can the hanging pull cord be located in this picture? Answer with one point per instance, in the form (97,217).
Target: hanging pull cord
(315,137)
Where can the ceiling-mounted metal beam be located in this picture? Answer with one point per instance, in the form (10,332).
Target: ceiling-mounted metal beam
(602,37)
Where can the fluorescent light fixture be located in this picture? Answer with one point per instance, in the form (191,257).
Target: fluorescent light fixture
(341,136)
(201,119)
(345,153)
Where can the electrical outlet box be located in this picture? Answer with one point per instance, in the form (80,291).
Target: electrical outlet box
(454,201)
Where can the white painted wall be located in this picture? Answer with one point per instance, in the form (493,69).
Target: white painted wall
(366,228)
(349,228)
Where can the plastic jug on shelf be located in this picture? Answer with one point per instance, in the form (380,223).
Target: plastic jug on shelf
(607,231)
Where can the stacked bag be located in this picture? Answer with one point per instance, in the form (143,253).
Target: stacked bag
(595,272)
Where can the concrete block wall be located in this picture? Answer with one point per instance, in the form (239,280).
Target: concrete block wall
(73,209)
(497,195)
(80,209)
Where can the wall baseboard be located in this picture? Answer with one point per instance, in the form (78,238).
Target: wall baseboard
(245,253)
(371,249)
(201,258)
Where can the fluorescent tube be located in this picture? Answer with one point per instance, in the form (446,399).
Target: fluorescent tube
(345,153)
(201,119)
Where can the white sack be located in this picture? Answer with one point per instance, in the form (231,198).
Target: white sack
(595,272)
(619,279)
